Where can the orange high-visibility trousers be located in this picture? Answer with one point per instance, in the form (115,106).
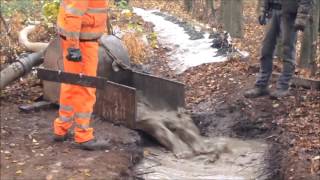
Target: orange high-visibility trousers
(76,102)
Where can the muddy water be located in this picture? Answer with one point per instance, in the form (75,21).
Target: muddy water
(245,161)
(192,156)
(175,130)
(189,53)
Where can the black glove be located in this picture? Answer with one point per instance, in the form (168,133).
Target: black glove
(262,20)
(301,22)
(264,16)
(74,55)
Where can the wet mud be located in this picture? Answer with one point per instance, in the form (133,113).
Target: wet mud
(232,120)
(175,130)
(223,144)
(28,151)
(244,161)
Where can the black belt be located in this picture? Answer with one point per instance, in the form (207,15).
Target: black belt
(81,40)
(275,6)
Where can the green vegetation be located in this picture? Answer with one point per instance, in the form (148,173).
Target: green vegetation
(122,4)
(9,8)
(50,10)
(26,8)
(135,26)
(30,10)
(153,37)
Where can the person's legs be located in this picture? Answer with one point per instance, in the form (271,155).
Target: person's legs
(289,39)
(267,52)
(85,97)
(66,111)
(84,100)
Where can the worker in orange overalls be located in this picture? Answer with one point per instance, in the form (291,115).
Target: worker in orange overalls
(80,24)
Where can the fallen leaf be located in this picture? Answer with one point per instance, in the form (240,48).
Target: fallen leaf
(12,145)
(49,177)
(21,163)
(39,167)
(146,153)
(275,105)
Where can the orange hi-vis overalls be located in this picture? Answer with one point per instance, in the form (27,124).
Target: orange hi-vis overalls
(80,24)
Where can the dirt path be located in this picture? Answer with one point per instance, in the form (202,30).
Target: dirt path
(28,152)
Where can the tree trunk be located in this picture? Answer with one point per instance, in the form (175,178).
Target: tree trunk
(201,9)
(232,17)
(210,9)
(309,43)
(188,5)
(259,6)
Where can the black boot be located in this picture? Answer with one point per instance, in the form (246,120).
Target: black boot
(279,93)
(94,144)
(256,92)
(58,138)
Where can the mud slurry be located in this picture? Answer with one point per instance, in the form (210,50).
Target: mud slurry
(173,129)
(244,161)
(194,156)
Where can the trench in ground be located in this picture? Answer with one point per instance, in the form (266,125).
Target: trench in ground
(225,125)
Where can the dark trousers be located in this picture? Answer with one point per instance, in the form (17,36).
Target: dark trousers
(281,25)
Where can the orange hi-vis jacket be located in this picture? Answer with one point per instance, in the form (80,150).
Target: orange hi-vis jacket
(82,19)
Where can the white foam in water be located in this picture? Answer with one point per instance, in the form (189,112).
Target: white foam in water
(244,162)
(186,53)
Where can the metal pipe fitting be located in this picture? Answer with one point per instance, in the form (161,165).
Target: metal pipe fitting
(17,69)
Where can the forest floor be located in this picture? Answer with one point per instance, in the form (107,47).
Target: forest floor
(291,124)
(214,94)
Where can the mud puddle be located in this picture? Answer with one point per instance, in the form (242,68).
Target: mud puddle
(244,161)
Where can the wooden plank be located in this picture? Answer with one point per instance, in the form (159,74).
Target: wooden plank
(117,105)
(301,82)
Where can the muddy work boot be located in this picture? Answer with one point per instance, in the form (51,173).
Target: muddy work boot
(58,138)
(94,144)
(279,93)
(256,92)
